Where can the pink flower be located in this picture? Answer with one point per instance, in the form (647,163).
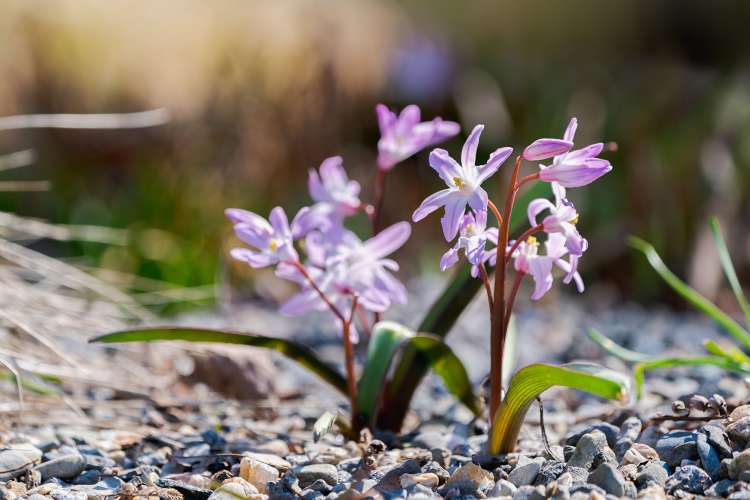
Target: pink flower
(570,168)
(562,219)
(403,136)
(473,239)
(527,260)
(463,181)
(272,241)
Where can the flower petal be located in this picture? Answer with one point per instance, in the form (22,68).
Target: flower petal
(388,240)
(570,130)
(541,149)
(238,215)
(301,303)
(256,260)
(445,166)
(386,118)
(432,203)
(408,118)
(478,200)
(449,259)
(541,271)
(280,222)
(497,158)
(536,207)
(469,151)
(332,171)
(454,211)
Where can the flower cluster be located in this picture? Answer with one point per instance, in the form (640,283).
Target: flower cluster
(466,205)
(339,272)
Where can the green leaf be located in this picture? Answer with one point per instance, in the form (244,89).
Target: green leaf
(292,350)
(389,338)
(323,425)
(616,350)
(691,295)
(531,381)
(727,364)
(439,320)
(729,272)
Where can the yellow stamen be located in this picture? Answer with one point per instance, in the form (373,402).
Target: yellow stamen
(470,228)
(531,240)
(273,245)
(459,182)
(574,220)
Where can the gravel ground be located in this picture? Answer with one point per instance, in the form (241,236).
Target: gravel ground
(183,439)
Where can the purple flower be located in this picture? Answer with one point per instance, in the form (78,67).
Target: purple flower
(562,219)
(527,260)
(272,241)
(463,181)
(403,136)
(332,187)
(473,239)
(569,168)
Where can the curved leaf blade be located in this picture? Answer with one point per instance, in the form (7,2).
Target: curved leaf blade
(640,369)
(531,381)
(690,294)
(388,339)
(615,349)
(292,350)
(728,266)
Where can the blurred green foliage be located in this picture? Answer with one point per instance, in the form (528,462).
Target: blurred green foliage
(260,92)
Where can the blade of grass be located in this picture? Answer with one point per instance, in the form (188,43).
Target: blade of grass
(530,381)
(727,364)
(728,266)
(689,294)
(292,350)
(615,349)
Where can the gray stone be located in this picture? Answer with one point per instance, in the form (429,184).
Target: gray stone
(739,431)
(502,488)
(653,473)
(550,471)
(631,428)
(528,492)
(719,488)
(88,477)
(610,431)
(676,446)
(435,468)
(15,461)
(630,491)
(578,475)
(689,479)
(622,446)
(431,439)
(709,457)
(717,438)
(66,467)
(587,489)
(525,471)
(308,474)
(588,448)
(441,456)
(609,479)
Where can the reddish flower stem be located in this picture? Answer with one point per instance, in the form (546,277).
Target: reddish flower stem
(527,179)
(530,231)
(495,211)
(346,323)
(498,315)
(487,288)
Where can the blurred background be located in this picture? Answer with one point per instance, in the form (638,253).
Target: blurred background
(259,92)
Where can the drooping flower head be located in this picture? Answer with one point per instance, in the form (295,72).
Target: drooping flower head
(569,168)
(272,241)
(562,219)
(402,136)
(463,181)
(333,188)
(473,238)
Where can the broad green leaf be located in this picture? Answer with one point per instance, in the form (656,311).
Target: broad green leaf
(439,320)
(691,295)
(323,425)
(292,350)
(616,350)
(727,364)
(533,380)
(388,339)
(729,272)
